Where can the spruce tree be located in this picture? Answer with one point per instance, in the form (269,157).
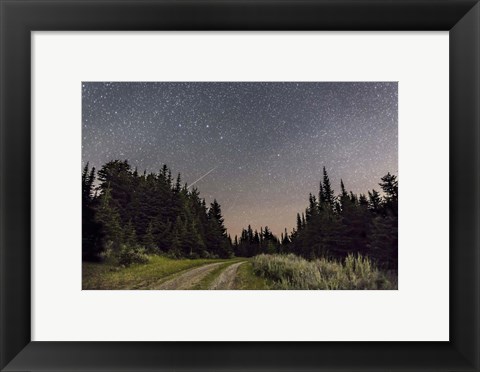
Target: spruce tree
(108,217)
(130,235)
(149,239)
(92,235)
(328,193)
(217,239)
(389,186)
(374,201)
(178,183)
(299,222)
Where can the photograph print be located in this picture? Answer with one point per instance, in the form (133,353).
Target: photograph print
(239,185)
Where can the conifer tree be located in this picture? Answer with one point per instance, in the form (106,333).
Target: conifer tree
(178,183)
(92,236)
(130,235)
(374,201)
(109,218)
(328,193)
(149,239)
(217,238)
(299,222)
(389,186)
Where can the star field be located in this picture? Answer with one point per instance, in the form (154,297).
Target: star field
(263,144)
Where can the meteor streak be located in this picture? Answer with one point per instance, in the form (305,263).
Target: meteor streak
(205,175)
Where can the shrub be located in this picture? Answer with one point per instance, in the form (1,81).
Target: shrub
(293,272)
(129,255)
(108,252)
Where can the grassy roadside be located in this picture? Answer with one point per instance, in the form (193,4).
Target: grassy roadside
(355,272)
(159,269)
(247,280)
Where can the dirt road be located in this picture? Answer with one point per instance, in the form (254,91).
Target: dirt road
(190,278)
(227,277)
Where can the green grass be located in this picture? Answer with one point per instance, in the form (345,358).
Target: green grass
(140,276)
(246,279)
(293,272)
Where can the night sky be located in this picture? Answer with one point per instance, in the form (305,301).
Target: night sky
(260,147)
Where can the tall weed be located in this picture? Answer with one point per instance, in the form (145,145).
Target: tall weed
(293,272)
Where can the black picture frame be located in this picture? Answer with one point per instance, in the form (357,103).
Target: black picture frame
(18,18)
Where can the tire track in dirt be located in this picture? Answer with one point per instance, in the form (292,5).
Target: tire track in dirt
(226,278)
(188,279)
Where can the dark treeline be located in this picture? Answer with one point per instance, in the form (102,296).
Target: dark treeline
(123,210)
(335,226)
(252,242)
(127,209)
